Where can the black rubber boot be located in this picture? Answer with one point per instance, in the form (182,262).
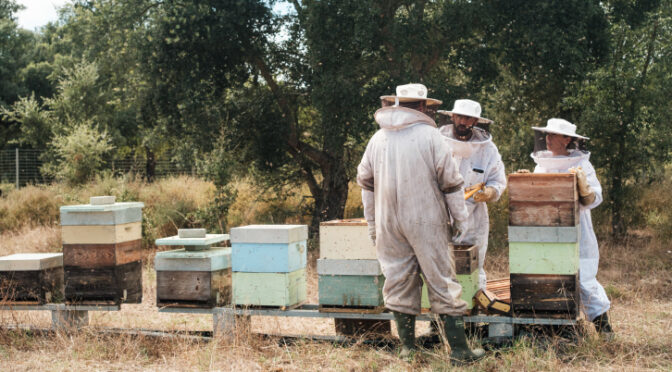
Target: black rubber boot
(406,330)
(603,327)
(457,338)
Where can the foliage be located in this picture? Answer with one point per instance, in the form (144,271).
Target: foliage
(79,154)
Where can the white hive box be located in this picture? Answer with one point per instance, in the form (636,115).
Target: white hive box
(346,240)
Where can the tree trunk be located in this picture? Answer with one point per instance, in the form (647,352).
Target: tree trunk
(150,165)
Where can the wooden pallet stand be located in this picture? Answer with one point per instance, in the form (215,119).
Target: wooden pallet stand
(102,252)
(31,278)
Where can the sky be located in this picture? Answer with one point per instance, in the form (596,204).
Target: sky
(38,13)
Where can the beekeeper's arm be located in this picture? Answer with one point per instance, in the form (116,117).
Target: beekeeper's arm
(451,184)
(365,181)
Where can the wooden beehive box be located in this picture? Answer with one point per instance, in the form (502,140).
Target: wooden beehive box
(350,283)
(466,268)
(269,289)
(269,248)
(31,278)
(549,199)
(102,251)
(193,278)
(545,295)
(346,240)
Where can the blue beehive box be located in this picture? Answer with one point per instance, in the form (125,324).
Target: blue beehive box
(269,248)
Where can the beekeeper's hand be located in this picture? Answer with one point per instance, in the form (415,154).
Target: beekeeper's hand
(586,193)
(487,195)
(372,232)
(459,228)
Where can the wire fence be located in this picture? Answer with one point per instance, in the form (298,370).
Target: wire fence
(20,167)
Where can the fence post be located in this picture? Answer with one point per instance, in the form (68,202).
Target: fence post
(17,167)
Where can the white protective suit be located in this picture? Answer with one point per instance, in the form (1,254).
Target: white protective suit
(593,297)
(409,174)
(478,153)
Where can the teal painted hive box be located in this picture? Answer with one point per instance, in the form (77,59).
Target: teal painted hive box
(269,289)
(350,283)
(469,283)
(269,248)
(193,278)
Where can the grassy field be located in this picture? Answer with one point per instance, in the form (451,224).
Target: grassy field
(637,273)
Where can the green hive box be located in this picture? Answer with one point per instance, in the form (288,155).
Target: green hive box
(269,289)
(544,258)
(351,290)
(469,283)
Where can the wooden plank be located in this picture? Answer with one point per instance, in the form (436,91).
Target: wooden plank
(351,309)
(346,242)
(101,234)
(327,266)
(545,234)
(112,217)
(213,259)
(101,255)
(41,286)
(116,284)
(528,213)
(544,258)
(542,187)
(269,289)
(31,261)
(466,258)
(545,293)
(269,234)
(345,222)
(351,290)
(269,257)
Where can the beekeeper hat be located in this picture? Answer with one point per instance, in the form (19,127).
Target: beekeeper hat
(560,126)
(411,93)
(466,107)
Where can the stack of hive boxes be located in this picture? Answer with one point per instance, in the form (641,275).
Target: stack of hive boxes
(102,252)
(348,271)
(466,269)
(544,238)
(31,278)
(197,275)
(269,265)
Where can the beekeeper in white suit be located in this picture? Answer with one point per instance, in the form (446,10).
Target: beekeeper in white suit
(479,162)
(410,189)
(558,149)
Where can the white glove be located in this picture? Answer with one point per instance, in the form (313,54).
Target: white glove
(459,227)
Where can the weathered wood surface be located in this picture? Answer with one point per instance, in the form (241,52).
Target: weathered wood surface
(326,266)
(363,327)
(541,213)
(206,242)
(115,284)
(40,286)
(545,293)
(31,261)
(543,187)
(545,234)
(345,222)
(346,241)
(466,259)
(112,217)
(269,234)
(269,257)
(351,290)
(216,258)
(544,258)
(269,289)
(101,234)
(102,255)
(469,283)
(205,288)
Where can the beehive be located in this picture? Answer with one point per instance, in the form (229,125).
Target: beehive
(346,240)
(102,253)
(350,283)
(31,278)
(466,269)
(268,264)
(544,240)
